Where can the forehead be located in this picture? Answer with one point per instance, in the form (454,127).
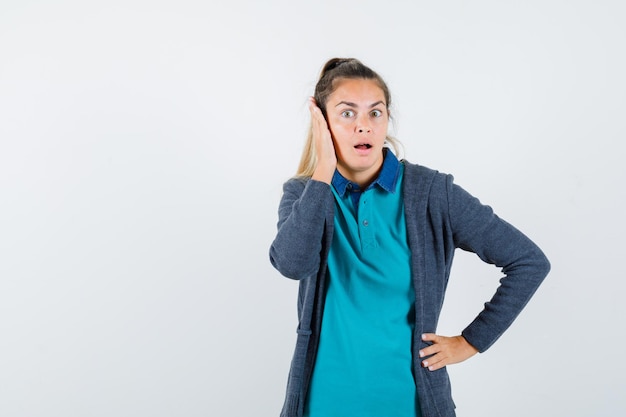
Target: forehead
(357,89)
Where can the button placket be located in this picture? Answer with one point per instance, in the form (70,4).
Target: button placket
(365,227)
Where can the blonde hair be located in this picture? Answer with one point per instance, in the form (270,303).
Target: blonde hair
(333,70)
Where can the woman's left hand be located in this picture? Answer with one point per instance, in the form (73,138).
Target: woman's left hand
(445,351)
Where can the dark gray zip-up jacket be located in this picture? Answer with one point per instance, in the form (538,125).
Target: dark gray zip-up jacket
(440,217)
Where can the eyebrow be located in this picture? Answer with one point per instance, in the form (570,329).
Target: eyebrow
(350,104)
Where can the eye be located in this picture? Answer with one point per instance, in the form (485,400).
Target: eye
(376,113)
(347,113)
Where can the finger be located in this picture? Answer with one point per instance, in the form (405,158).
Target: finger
(318,119)
(430,350)
(315,112)
(437,361)
(433,348)
(431,337)
(431,363)
(313,107)
(436,366)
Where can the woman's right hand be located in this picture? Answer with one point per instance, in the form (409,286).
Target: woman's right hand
(324,146)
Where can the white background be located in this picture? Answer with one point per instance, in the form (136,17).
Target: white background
(143,145)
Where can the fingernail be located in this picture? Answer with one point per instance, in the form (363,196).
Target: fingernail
(421,354)
(425,364)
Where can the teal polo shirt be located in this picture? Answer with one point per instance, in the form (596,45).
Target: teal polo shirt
(364,364)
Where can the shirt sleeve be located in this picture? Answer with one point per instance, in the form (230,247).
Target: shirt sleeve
(478,229)
(302,214)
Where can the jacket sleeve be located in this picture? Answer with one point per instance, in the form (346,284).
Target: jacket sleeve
(478,229)
(302,214)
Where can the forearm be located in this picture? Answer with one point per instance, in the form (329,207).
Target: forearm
(495,241)
(522,278)
(295,251)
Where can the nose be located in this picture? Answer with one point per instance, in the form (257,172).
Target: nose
(363,126)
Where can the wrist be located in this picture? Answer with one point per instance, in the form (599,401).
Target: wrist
(323,173)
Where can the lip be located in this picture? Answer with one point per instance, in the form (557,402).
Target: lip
(363,148)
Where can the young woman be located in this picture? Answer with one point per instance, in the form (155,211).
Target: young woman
(371,240)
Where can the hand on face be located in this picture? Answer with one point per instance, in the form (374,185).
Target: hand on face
(324,146)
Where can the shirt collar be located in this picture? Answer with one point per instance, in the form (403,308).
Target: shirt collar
(386,179)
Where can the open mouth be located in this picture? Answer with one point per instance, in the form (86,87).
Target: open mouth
(363,146)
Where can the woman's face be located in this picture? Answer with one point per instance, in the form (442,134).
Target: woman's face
(357,118)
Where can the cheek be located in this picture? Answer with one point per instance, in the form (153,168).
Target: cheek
(382,128)
(339,130)
(336,123)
